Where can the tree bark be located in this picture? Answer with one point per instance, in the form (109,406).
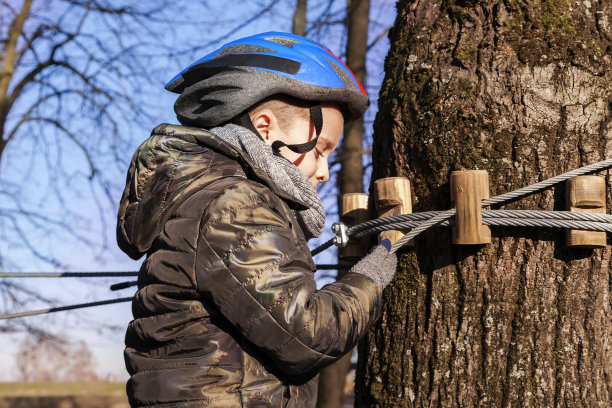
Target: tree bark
(521,89)
(332,380)
(299,18)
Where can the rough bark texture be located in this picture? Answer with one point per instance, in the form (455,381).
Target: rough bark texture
(332,379)
(521,89)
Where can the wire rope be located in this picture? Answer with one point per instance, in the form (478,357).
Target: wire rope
(63,308)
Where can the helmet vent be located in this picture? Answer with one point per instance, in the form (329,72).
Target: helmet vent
(346,80)
(242,49)
(287,42)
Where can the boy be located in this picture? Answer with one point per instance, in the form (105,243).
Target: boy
(227,313)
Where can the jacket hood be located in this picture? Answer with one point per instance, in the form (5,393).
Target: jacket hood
(168,168)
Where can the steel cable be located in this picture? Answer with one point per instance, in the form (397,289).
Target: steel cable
(580,225)
(540,214)
(65,274)
(511,218)
(322,247)
(62,308)
(543,185)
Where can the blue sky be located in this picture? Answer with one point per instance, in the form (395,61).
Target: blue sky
(20,167)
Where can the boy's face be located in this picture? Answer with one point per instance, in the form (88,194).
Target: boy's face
(313,163)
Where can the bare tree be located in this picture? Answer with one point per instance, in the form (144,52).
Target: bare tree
(71,71)
(41,358)
(75,83)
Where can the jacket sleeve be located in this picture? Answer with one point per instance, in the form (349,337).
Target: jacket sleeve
(255,267)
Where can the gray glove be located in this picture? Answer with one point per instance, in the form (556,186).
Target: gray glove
(379,264)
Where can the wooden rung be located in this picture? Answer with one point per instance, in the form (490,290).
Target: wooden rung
(585,194)
(354,211)
(392,198)
(468,189)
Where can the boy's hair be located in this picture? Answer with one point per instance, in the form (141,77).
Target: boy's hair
(286,108)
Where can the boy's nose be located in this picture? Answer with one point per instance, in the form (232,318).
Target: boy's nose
(322,170)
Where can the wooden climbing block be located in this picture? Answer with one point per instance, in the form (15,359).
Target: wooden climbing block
(585,194)
(392,198)
(355,210)
(468,189)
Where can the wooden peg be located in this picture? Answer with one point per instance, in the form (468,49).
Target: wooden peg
(585,194)
(468,189)
(392,198)
(354,211)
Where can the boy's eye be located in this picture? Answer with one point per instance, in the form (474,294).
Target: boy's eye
(323,149)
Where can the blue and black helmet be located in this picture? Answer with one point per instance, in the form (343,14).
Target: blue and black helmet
(227,82)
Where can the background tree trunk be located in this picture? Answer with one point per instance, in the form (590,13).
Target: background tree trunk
(332,380)
(521,89)
(350,176)
(299,18)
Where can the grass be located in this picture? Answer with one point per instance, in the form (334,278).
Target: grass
(61,389)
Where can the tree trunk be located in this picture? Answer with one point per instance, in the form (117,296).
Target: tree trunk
(521,89)
(350,177)
(299,18)
(332,380)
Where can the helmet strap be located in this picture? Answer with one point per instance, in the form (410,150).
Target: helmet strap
(316,116)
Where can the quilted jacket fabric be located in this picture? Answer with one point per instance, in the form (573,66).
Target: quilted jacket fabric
(227,312)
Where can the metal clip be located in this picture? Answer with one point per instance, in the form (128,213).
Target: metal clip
(341,238)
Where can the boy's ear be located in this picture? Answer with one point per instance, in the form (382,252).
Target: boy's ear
(265,123)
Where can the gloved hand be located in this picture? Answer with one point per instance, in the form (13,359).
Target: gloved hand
(379,264)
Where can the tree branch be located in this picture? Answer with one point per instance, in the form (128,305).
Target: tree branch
(74,139)
(10,49)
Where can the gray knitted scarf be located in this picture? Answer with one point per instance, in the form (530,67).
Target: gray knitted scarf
(282,172)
